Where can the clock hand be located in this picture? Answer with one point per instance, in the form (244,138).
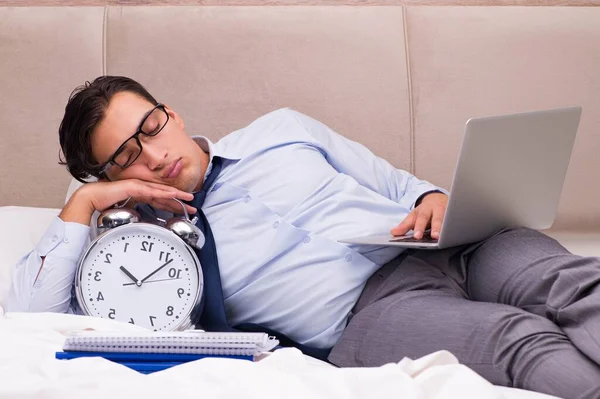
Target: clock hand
(156,271)
(154,281)
(131,276)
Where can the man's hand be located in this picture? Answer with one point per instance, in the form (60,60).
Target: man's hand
(102,195)
(428,214)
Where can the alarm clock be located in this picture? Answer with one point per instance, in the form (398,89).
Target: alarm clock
(142,273)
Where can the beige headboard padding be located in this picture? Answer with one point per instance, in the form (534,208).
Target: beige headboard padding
(401,80)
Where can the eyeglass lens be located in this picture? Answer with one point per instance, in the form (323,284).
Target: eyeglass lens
(132,148)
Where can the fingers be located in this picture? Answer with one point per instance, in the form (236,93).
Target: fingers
(422,222)
(430,213)
(147,192)
(406,225)
(158,190)
(103,195)
(436,222)
(161,196)
(184,195)
(418,220)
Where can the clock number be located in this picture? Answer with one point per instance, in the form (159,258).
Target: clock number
(125,249)
(108,256)
(111,314)
(147,246)
(180,292)
(97,276)
(174,273)
(131,320)
(152,320)
(100,296)
(167,256)
(169,310)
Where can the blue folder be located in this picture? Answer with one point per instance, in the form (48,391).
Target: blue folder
(149,367)
(145,362)
(145,357)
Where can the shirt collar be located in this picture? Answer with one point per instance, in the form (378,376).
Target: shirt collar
(213,149)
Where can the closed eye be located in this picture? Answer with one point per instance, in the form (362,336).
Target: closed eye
(151,128)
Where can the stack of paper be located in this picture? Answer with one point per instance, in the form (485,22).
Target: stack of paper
(147,352)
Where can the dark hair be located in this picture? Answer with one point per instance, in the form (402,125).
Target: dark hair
(84,111)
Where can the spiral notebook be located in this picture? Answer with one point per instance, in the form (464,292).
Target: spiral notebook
(184,342)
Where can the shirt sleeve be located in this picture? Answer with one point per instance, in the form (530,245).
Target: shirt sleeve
(46,286)
(369,170)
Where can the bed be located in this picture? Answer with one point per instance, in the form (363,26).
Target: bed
(401,80)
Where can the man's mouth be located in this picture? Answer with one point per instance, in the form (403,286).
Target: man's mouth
(173,170)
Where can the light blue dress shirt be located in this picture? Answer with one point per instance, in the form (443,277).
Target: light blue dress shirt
(290,188)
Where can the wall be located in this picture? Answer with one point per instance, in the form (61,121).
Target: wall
(571,3)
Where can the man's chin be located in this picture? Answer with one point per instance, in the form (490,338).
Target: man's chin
(187,183)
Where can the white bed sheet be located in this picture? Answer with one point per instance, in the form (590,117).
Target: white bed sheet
(28,369)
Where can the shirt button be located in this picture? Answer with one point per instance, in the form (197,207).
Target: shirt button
(348,258)
(275,225)
(247,199)
(306,240)
(66,240)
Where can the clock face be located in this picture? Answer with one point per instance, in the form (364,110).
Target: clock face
(142,274)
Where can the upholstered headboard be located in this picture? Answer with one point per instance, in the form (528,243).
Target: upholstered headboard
(401,80)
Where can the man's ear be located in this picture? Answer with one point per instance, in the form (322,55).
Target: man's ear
(175,116)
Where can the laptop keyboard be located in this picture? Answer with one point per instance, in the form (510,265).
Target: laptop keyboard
(426,239)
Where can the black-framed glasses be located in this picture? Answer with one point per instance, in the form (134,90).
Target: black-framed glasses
(153,122)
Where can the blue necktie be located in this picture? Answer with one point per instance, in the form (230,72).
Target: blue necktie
(212,317)
(213,311)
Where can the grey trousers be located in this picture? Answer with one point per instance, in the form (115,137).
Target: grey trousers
(518,309)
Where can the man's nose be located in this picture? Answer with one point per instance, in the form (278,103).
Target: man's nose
(155,156)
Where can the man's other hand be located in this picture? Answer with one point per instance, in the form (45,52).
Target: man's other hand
(428,214)
(102,195)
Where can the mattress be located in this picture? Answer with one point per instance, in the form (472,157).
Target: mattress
(28,369)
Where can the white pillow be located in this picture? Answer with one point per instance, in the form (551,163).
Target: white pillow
(20,230)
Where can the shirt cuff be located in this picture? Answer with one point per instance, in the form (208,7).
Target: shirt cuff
(424,189)
(65,239)
(418,201)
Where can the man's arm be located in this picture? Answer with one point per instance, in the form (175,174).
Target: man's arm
(425,202)
(371,171)
(43,278)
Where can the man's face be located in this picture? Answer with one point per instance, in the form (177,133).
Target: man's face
(171,157)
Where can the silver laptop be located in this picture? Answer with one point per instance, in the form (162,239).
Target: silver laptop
(510,172)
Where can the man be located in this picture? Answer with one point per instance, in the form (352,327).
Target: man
(517,308)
